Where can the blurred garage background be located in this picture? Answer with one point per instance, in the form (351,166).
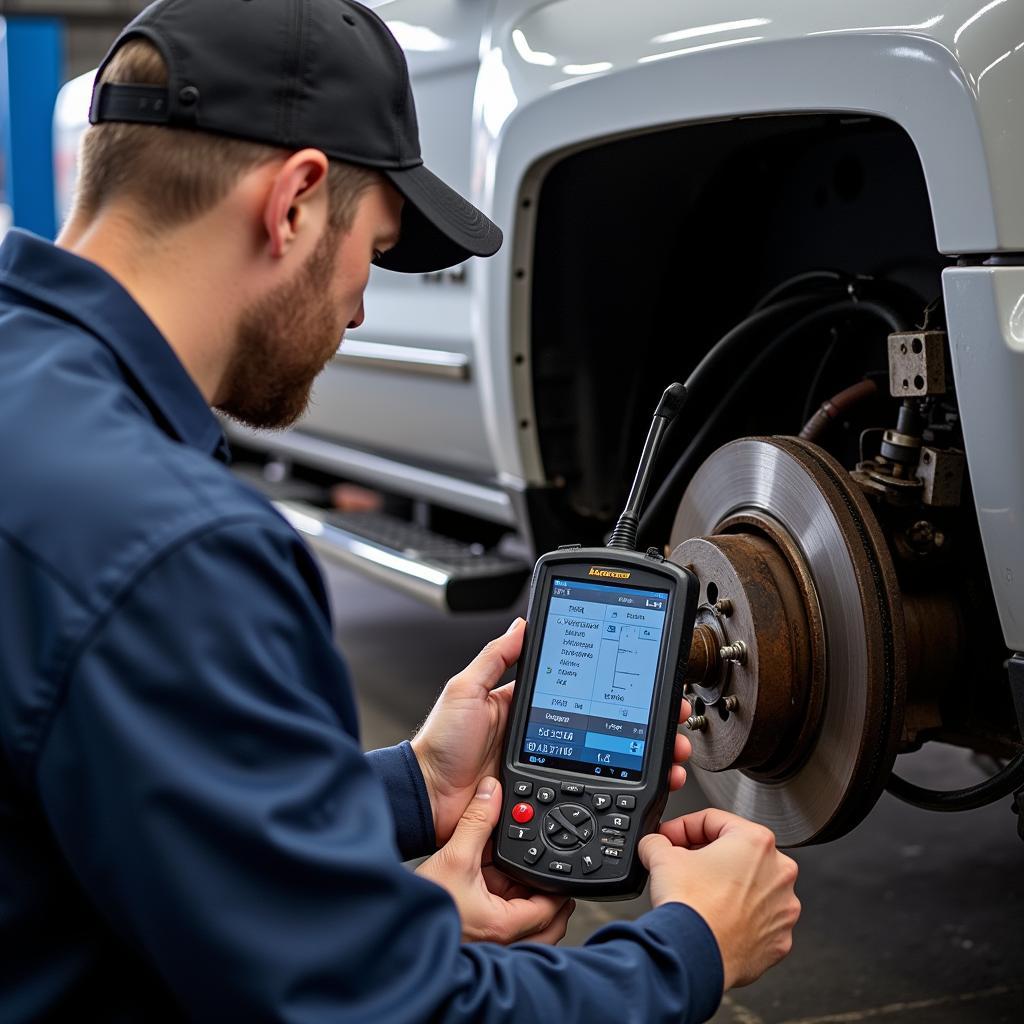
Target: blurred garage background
(44,44)
(913,917)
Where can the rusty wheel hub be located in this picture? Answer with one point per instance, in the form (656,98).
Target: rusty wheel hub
(757,696)
(797,671)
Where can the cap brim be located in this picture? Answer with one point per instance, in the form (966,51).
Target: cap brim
(439,228)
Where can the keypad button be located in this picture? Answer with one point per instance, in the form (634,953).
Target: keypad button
(589,863)
(532,855)
(612,852)
(560,867)
(522,788)
(613,840)
(619,821)
(574,814)
(572,788)
(522,813)
(563,838)
(625,803)
(584,832)
(552,825)
(545,795)
(602,801)
(520,834)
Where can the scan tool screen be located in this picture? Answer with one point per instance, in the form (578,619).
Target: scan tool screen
(591,704)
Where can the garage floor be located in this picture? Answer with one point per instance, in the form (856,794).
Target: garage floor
(913,918)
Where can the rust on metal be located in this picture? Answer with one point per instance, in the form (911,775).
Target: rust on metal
(768,621)
(936,655)
(809,689)
(703,661)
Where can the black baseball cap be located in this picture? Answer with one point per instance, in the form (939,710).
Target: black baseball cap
(325,74)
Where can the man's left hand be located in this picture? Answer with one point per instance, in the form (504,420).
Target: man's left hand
(461,741)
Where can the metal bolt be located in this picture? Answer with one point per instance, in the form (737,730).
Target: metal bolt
(724,607)
(736,652)
(732,703)
(697,723)
(921,535)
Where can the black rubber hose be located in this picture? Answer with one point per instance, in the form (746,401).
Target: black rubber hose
(1002,784)
(725,347)
(823,278)
(678,473)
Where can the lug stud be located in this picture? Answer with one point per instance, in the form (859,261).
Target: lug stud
(696,723)
(732,703)
(724,607)
(736,652)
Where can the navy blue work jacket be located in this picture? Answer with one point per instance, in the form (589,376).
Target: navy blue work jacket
(188,826)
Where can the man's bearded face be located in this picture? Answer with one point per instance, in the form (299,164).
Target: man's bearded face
(284,342)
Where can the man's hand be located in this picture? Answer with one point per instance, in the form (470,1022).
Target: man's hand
(492,907)
(730,872)
(461,740)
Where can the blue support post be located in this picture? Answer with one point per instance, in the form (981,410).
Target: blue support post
(34,72)
(5,132)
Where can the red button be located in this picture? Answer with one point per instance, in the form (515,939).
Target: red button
(522,813)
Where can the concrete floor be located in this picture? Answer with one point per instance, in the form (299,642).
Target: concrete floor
(913,918)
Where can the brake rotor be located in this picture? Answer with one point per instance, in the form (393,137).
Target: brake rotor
(800,722)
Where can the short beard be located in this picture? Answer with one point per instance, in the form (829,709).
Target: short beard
(283,343)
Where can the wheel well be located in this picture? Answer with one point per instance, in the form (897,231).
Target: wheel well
(648,249)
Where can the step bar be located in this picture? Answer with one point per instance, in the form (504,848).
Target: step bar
(442,572)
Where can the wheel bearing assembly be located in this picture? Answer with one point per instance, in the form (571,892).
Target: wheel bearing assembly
(798,667)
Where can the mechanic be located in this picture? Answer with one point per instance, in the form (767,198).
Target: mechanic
(189,826)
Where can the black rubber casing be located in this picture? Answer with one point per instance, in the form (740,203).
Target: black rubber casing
(626,877)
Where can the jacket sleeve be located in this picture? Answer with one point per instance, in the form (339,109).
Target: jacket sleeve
(201,785)
(399,771)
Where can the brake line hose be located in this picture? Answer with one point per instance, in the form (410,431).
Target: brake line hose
(836,406)
(1002,784)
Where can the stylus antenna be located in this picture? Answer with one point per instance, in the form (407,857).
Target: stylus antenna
(624,534)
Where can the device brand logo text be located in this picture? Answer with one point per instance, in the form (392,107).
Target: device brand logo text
(613,573)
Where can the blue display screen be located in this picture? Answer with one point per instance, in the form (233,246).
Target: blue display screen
(590,708)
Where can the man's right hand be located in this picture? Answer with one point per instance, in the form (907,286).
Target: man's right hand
(492,907)
(730,872)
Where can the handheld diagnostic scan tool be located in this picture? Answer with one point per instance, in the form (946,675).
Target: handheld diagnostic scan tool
(596,706)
